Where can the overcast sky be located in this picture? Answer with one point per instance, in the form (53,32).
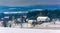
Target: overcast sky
(28,2)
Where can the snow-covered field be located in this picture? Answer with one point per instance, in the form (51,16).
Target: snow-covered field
(22,30)
(53,24)
(33,30)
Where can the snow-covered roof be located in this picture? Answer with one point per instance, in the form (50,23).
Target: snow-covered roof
(41,18)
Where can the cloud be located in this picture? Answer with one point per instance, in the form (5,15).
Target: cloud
(28,2)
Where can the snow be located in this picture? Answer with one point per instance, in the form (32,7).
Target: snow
(21,30)
(42,18)
(27,30)
(36,10)
(13,12)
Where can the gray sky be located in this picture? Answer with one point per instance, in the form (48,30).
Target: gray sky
(28,2)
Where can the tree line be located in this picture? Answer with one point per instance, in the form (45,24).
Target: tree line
(53,14)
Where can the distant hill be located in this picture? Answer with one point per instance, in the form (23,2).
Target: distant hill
(27,8)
